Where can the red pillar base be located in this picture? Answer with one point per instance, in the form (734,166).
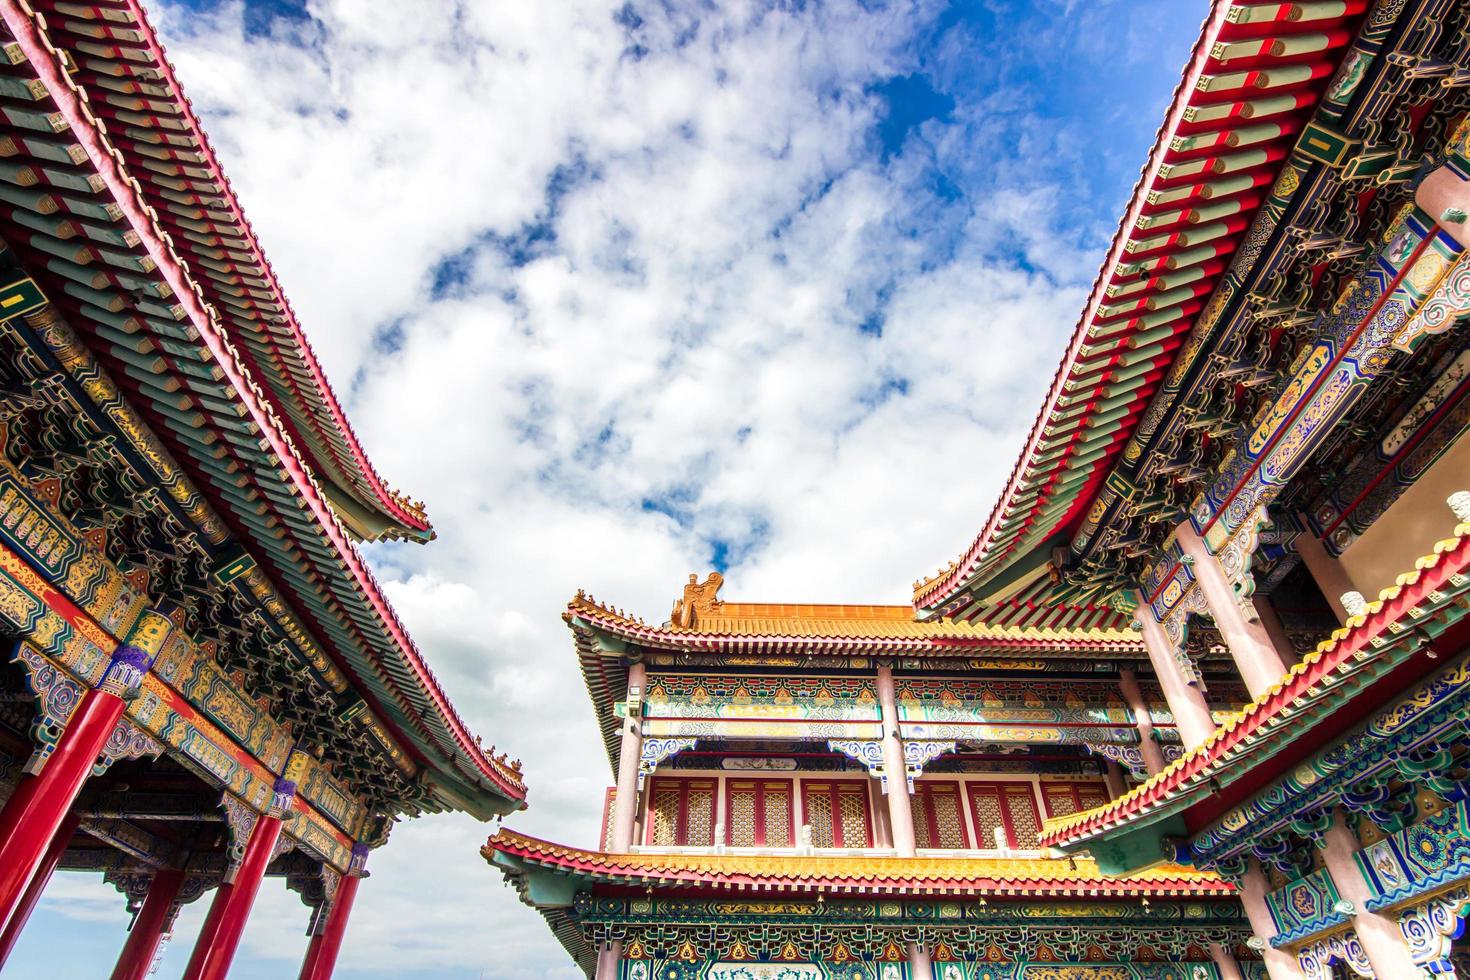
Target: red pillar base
(220,937)
(142,945)
(32,896)
(321,955)
(34,813)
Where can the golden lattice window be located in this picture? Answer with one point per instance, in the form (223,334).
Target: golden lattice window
(758,812)
(1009,806)
(681,813)
(837,813)
(1065,798)
(938,822)
(609,815)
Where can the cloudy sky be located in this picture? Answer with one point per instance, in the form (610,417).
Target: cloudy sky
(627,290)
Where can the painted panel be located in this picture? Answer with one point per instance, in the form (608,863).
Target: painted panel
(1304,907)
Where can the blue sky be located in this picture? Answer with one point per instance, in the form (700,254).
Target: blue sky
(629,290)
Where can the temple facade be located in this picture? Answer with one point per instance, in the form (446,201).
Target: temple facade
(1193,703)
(203,683)
(808,791)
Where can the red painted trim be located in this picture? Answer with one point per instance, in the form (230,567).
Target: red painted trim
(226,194)
(1452,562)
(128,195)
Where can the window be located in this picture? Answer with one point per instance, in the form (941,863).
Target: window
(938,822)
(758,813)
(609,802)
(681,813)
(837,813)
(1067,798)
(1011,807)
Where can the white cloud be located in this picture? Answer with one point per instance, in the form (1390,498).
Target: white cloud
(668,237)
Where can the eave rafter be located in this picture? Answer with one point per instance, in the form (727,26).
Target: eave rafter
(1255,77)
(119,267)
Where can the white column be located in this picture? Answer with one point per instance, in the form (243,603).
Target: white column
(1260,664)
(900,815)
(1382,941)
(1280,965)
(625,811)
(1148,744)
(920,966)
(1186,702)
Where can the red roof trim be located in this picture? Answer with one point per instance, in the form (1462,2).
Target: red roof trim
(126,192)
(628,869)
(324,388)
(1171,783)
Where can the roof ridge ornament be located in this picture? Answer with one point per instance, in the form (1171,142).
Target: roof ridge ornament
(700,598)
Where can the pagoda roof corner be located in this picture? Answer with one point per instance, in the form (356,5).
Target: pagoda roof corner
(1245,94)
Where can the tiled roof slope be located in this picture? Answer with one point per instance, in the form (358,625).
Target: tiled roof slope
(1252,81)
(120,68)
(858,873)
(73,208)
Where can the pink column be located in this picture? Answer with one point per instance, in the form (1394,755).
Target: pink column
(1186,702)
(608,955)
(1273,626)
(1225,963)
(1382,941)
(882,833)
(625,809)
(920,966)
(1280,965)
(1331,578)
(1256,657)
(900,815)
(1113,776)
(1148,744)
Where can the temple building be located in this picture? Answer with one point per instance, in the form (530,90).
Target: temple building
(840,791)
(1212,638)
(205,684)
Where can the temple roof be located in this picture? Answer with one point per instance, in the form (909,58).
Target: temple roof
(856,873)
(1252,81)
(137,104)
(121,211)
(783,634)
(702,621)
(1308,699)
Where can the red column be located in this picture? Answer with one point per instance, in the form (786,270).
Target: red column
(220,937)
(153,918)
(32,895)
(33,815)
(321,955)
